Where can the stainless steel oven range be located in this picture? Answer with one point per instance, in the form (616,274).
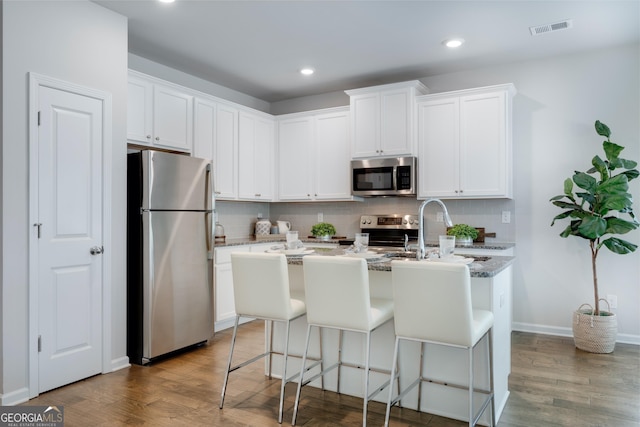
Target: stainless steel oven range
(390,230)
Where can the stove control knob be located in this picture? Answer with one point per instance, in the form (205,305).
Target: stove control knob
(411,221)
(404,221)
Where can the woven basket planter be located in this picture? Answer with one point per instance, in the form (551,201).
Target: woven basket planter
(595,334)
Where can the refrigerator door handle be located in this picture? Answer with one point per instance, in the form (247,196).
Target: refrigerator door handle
(208,203)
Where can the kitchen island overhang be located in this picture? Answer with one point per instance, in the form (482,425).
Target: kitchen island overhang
(491,282)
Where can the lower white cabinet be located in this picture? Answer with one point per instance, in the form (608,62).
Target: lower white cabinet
(224,310)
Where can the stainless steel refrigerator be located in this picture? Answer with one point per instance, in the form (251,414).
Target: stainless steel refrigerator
(169,240)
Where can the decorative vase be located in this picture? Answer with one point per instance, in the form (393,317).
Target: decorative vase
(595,334)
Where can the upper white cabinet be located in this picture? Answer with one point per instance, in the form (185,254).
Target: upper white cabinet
(241,144)
(159,115)
(225,152)
(382,119)
(314,156)
(464,143)
(255,157)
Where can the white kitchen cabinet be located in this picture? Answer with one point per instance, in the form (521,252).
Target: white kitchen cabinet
(204,128)
(314,156)
(464,143)
(382,119)
(159,115)
(225,154)
(224,309)
(255,157)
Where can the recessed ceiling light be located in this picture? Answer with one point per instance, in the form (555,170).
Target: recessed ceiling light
(166,1)
(307,71)
(453,43)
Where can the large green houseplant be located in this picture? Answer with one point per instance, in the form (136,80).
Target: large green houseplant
(595,206)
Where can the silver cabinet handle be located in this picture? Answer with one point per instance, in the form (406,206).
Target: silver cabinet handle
(148,136)
(96,250)
(157,138)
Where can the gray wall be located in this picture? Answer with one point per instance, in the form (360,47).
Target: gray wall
(82,43)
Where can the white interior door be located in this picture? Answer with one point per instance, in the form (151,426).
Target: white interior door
(69,282)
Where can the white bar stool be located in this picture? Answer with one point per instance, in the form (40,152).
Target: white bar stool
(261,291)
(432,303)
(337,294)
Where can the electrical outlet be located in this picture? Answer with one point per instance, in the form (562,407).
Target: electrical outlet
(259,215)
(506,217)
(613,301)
(439,217)
(320,217)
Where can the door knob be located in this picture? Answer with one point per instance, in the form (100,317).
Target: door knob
(96,250)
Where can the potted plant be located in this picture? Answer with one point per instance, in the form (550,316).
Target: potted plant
(465,234)
(323,230)
(594,210)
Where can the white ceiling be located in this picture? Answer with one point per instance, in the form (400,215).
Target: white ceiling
(257,47)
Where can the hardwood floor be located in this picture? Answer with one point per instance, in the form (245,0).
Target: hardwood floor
(552,384)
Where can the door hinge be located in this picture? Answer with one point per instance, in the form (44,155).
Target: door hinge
(39,225)
(38,118)
(39,343)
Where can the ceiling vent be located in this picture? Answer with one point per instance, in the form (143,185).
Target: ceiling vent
(548,28)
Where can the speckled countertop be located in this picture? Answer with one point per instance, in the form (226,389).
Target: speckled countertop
(480,268)
(252,241)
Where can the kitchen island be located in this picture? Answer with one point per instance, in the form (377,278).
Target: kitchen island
(491,290)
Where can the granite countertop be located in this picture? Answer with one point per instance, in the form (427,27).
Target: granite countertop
(251,240)
(479,268)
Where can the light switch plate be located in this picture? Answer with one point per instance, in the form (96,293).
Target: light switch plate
(506,217)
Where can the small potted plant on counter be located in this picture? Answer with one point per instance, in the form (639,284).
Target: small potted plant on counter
(323,230)
(465,234)
(594,210)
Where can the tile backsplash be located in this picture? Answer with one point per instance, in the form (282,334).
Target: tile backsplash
(238,218)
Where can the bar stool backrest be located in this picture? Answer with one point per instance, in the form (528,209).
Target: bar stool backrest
(432,301)
(337,292)
(261,285)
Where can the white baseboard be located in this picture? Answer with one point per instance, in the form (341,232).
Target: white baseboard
(566,332)
(120,363)
(15,397)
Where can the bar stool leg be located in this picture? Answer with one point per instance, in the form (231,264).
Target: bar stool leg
(394,370)
(284,369)
(366,378)
(301,378)
(491,389)
(422,351)
(226,375)
(470,386)
(270,345)
(339,359)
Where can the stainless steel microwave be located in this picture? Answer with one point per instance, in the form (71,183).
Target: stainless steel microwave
(384,177)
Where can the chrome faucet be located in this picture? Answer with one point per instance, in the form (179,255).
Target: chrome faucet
(421,252)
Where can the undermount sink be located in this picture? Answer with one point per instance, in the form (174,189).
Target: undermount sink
(399,254)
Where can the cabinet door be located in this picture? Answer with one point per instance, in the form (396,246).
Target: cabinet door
(139,111)
(396,138)
(483,145)
(294,162)
(172,119)
(204,129)
(365,132)
(332,156)
(255,157)
(226,152)
(438,147)
(264,159)
(224,301)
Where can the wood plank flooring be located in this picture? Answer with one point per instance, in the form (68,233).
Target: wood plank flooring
(552,384)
